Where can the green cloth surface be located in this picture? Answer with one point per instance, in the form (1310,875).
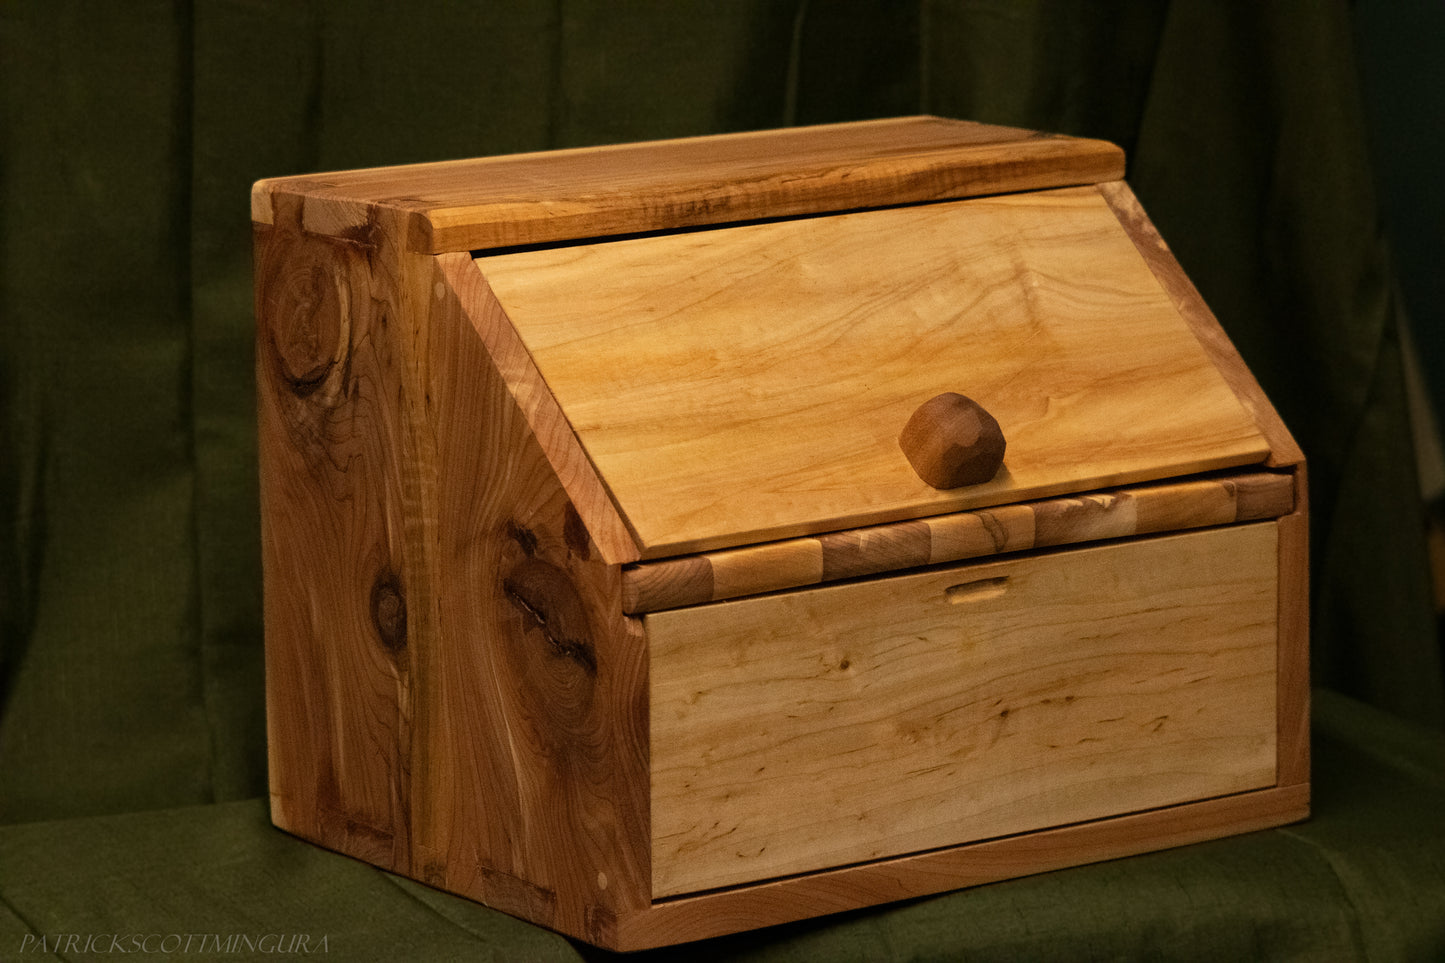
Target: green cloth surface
(132,733)
(1363,879)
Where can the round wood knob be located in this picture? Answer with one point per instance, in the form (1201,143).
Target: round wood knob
(952,441)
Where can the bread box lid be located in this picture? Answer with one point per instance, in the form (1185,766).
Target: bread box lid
(749,383)
(718,340)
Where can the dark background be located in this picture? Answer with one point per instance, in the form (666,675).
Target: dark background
(1289,151)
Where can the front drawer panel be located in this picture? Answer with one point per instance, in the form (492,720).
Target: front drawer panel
(816,728)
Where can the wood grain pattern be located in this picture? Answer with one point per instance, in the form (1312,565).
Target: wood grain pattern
(596,191)
(793,563)
(749,384)
(1152,247)
(535,792)
(588,494)
(343,476)
(1284,453)
(780,901)
(453,692)
(804,730)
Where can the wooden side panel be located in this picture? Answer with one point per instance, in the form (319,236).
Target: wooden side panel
(342,480)
(849,723)
(452,690)
(535,796)
(596,191)
(792,563)
(799,897)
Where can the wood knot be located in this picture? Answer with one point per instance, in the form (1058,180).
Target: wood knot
(308,327)
(525,538)
(549,603)
(952,441)
(304,304)
(388,610)
(574,533)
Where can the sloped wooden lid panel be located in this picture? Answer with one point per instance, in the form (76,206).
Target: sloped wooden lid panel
(746,384)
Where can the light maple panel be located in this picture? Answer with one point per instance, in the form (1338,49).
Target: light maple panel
(818,728)
(746,384)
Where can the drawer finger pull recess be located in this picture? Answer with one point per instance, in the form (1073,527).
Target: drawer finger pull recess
(979,591)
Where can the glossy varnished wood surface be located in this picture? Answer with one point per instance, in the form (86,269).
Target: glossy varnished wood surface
(591,192)
(810,729)
(750,384)
(792,563)
(1201,320)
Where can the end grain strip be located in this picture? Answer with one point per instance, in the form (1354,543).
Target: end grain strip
(791,563)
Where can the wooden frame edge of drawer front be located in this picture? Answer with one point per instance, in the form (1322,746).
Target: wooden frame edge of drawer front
(686,918)
(1145,509)
(1292,741)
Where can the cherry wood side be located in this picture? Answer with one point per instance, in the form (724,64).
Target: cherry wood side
(453,692)
(662,185)
(816,894)
(749,384)
(816,728)
(792,563)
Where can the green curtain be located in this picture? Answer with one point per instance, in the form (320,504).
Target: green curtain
(130,659)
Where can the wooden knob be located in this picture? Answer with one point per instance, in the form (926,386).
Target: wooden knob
(952,441)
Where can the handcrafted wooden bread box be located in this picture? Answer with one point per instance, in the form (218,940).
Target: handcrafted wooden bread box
(600,588)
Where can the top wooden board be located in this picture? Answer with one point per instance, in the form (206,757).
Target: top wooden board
(469,205)
(746,384)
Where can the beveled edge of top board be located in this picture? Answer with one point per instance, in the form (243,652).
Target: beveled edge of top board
(552,196)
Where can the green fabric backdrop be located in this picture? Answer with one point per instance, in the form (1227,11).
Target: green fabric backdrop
(130,660)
